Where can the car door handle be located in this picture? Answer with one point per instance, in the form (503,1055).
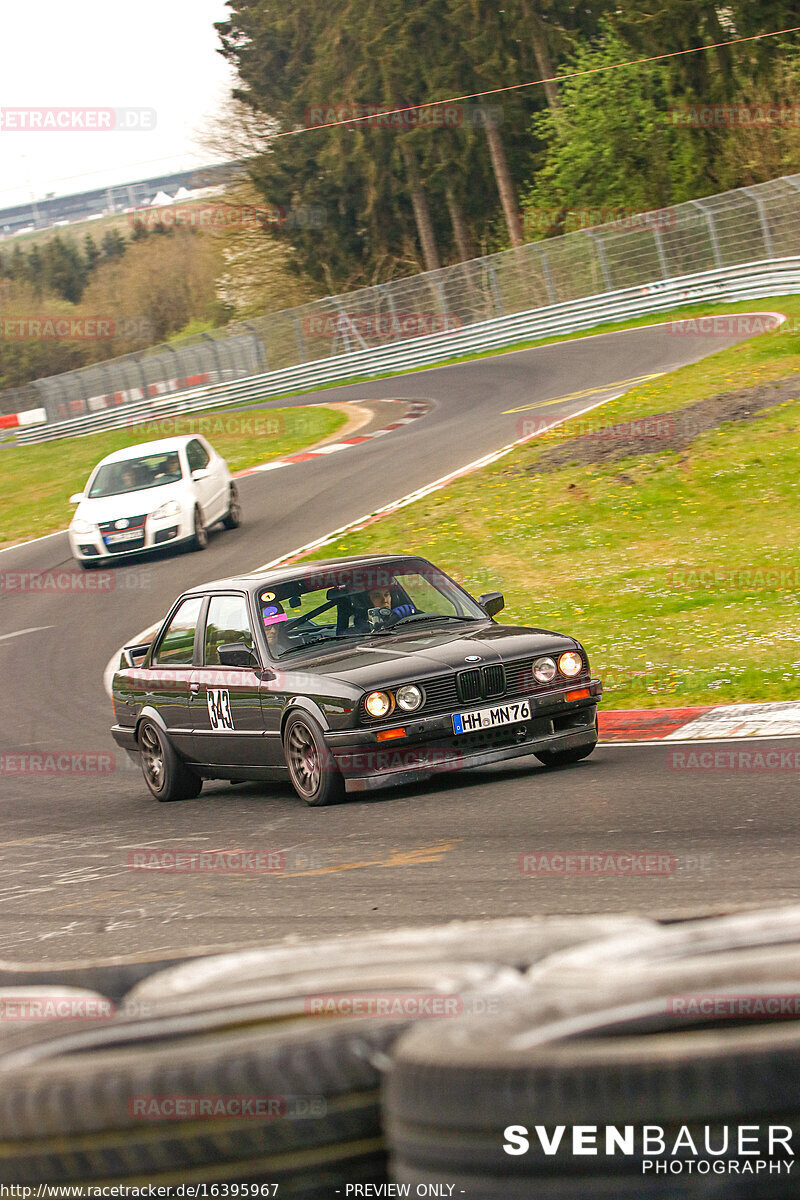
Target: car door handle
(194,688)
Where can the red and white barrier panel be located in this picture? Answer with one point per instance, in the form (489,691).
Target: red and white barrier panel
(33,416)
(77,408)
(164,387)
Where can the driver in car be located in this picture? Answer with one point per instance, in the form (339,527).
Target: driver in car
(382,598)
(378,609)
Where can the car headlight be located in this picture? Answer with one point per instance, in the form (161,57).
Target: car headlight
(544,669)
(170,509)
(378,704)
(82,527)
(570,664)
(408,697)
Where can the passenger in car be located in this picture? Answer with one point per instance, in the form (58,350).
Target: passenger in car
(274,618)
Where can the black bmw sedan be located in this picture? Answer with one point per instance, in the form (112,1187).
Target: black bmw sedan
(346,675)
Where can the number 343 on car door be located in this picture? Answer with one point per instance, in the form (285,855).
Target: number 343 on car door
(219,708)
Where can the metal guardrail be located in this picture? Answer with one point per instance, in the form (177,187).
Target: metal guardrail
(749,281)
(733,229)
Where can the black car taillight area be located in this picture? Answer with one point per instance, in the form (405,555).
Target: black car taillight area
(494,680)
(469,685)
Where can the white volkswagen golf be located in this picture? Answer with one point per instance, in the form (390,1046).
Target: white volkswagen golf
(145,496)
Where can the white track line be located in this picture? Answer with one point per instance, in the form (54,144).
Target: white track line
(19,632)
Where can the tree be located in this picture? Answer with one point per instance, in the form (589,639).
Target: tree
(611,144)
(36,269)
(112,244)
(64,270)
(91,253)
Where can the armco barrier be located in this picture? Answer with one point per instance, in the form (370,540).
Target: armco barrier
(748,281)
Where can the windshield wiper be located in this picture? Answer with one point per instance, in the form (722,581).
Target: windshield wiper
(322,640)
(431,617)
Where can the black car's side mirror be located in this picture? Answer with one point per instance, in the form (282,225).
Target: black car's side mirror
(492,602)
(236,654)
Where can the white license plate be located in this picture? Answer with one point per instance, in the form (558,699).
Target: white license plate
(130,535)
(489,718)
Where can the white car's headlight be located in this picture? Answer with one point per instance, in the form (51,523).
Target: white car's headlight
(570,664)
(544,669)
(80,526)
(170,509)
(408,697)
(378,704)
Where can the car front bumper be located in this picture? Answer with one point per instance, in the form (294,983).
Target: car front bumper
(158,532)
(430,745)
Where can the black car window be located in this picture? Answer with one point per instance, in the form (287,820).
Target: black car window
(177,645)
(197,455)
(227,622)
(329,605)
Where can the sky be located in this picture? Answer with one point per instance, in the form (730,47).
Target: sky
(99,54)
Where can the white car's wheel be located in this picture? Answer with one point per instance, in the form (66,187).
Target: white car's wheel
(200,539)
(233,517)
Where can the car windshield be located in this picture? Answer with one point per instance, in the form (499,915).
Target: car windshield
(136,474)
(323,605)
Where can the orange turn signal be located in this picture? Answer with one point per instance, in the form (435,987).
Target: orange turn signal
(385,735)
(581,694)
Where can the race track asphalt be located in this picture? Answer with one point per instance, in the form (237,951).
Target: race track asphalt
(449,848)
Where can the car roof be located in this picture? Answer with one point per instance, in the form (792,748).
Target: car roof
(253,580)
(156,447)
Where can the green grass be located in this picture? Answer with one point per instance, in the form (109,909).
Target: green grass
(684,581)
(39,479)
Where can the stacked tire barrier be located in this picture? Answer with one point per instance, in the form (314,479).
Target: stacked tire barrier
(450,1056)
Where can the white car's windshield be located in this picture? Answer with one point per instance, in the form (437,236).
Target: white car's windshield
(136,474)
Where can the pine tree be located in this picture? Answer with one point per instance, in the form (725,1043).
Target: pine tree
(112,244)
(91,253)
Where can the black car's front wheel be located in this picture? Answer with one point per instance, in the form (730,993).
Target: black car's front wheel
(312,769)
(165,775)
